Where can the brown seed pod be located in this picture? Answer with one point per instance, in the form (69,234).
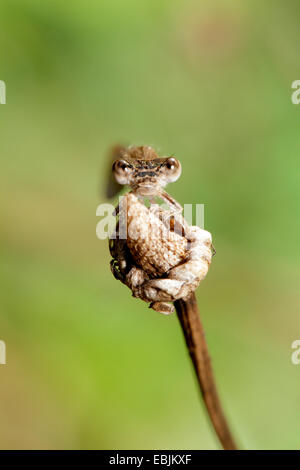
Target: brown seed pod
(154,247)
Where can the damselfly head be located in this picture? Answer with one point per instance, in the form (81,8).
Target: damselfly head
(143,170)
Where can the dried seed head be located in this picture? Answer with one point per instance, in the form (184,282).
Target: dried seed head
(152,245)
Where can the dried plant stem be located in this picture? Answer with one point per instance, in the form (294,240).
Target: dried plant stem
(187,311)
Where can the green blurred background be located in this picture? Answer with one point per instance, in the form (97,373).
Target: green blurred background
(210,81)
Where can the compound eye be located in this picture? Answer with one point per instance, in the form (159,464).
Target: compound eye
(121,170)
(172,164)
(173,169)
(121,166)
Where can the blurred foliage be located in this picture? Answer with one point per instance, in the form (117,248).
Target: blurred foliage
(87,365)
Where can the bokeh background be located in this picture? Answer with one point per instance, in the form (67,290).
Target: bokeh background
(210,81)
